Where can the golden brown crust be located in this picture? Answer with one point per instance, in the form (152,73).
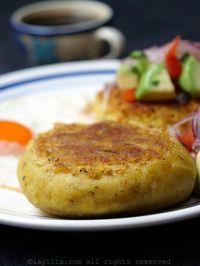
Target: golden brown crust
(161,114)
(108,143)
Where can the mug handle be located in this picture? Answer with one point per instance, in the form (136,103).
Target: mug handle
(114,38)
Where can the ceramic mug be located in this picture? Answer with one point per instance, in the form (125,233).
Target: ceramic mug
(54,31)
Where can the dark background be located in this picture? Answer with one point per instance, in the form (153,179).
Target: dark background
(144,23)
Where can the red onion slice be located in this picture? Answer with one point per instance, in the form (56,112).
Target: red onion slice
(192,48)
(196,130)
(157,54)
(174,130)
(195,118)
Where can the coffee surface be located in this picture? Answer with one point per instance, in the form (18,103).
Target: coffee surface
(56,19)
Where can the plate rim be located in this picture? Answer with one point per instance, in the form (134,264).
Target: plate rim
(60,224)
(9,78)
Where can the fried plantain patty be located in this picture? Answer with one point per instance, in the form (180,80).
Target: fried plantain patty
(105,168)
(110,106)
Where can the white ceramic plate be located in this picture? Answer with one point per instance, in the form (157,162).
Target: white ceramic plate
(21,91)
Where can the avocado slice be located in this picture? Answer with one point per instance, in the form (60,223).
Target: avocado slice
(129,73)
(156,85)
(190,77)
(126,78)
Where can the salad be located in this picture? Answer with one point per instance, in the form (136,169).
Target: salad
(167,73)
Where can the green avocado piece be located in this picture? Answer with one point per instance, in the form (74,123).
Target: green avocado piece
(126,78)
(155,84)
(142,62)
(189,79)
(129,74)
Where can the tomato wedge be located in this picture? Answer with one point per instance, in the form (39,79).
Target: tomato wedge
(172,63)
(128,95)
(186,137)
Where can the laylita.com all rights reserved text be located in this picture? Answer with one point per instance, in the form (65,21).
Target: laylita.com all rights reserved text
(97,261)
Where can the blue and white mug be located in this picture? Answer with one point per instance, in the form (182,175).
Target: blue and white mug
(54,31)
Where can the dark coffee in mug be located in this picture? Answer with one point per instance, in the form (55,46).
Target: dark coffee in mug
(57,18)
(58,30)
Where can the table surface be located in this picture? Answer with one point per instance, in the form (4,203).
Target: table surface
(144,23)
